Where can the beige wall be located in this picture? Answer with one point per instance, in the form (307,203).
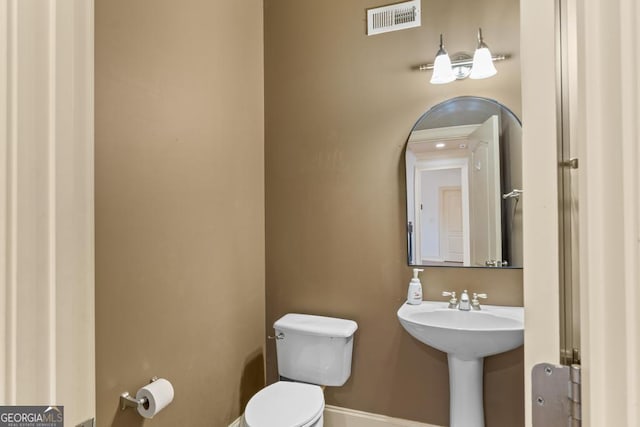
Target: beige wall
(179,206)
(339,107)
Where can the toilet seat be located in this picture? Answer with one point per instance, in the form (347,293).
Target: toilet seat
(285,404)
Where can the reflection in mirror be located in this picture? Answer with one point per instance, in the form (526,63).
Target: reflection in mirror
(464,186)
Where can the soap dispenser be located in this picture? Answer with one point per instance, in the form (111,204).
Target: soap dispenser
(414,295)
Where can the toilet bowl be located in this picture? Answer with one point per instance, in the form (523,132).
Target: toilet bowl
(310,350)
(286,404)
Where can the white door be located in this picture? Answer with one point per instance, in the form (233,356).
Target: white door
(485,196)
(451,232)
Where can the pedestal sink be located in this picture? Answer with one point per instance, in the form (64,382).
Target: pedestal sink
(467,337)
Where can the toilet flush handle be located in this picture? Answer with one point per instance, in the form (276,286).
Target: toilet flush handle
(280,336)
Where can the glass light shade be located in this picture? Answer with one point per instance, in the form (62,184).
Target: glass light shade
(482,64)
(442,71)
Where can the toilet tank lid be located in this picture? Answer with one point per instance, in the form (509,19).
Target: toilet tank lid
(309,324)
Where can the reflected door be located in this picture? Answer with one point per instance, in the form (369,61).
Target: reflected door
(485,201)
(451,233)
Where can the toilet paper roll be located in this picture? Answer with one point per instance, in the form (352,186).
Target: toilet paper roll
(158,395)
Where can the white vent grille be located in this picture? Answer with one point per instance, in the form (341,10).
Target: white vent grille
(395,17)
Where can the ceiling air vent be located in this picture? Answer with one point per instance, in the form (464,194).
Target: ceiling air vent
(394,17)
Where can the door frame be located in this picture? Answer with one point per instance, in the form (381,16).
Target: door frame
(423,165)
(540,221)
(47,321)
(607,130)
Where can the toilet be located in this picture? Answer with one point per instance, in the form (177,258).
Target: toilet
(312,351)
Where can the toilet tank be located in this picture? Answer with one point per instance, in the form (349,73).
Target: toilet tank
(314,349)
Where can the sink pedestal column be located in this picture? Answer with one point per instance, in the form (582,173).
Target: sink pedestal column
(465,392)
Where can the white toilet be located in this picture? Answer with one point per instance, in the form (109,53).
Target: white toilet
(313,350)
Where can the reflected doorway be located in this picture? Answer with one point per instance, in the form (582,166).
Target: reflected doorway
(456,194)
(442,211)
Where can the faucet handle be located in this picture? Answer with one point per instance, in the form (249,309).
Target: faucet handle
(453,301)
(475,302)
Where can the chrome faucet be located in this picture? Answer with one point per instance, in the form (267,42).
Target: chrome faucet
(453,302)
(475,301)
(464,304)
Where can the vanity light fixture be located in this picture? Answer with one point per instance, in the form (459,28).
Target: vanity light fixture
(462,65)
(441,145)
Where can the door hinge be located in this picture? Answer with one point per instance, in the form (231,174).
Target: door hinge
(575,355)
(570,356)
(556,395)
(571,163)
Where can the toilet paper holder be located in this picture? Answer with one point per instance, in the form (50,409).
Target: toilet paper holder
(129,401)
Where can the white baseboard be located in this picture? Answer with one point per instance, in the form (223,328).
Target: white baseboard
(335,416)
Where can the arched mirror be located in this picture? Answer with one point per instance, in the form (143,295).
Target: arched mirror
(464,186)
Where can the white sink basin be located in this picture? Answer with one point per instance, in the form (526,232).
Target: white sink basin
(466,334)
(467,337)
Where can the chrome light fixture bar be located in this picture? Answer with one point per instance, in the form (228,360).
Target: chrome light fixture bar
(467,62)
